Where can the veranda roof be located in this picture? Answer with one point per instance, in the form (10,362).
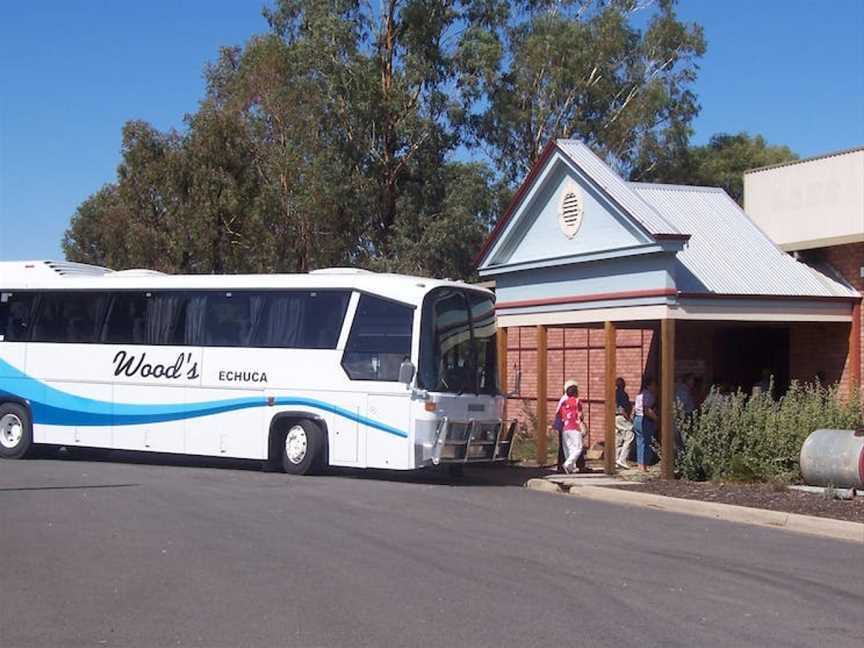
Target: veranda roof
(727,253)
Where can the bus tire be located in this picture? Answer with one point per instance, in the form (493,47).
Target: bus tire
(302,448)
(16,431)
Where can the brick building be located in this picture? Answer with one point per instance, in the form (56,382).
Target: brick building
(592,271)
(814,210)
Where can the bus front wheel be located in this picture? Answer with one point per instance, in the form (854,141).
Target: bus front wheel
(302,448)
(16,431)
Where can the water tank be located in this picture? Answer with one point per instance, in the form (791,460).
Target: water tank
(834,457)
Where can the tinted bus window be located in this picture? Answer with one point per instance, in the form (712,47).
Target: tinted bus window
(287,320)
(483,324)
(290,319)
(229,319)
(126,322)
(380,339)
(170,318)
(458,342)
(447,356)
(325,312)
(16,311)
(69,317)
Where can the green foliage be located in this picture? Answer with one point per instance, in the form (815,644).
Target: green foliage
(536,71)
(720,163)
(339,136)
(325,141)
(757,438)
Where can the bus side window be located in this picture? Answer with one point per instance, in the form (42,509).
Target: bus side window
(298,319)
(16,316)
(126,321)
(379,341)
(69,317)
(167,321)
(323,322)
(228,319)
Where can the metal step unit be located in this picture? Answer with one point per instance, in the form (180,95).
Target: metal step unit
(473,441)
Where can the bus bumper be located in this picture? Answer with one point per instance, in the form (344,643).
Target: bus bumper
(472,441)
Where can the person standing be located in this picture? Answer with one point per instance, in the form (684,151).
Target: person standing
(685,404)
(570,413)
(623,424)
(645,422)
(684,393)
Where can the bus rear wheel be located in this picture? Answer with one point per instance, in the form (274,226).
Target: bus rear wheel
(16,431)
(302,448)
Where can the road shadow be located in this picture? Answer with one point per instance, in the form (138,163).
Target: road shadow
(101,455)
(22,489)
(471,475)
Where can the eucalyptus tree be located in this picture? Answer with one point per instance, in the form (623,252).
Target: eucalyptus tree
(353,132)
(616,74)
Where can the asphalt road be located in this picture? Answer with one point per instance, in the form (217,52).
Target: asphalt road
(129,554)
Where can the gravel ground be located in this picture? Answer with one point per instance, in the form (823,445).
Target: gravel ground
(764,496)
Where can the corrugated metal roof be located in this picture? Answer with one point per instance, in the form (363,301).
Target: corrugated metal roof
(617,188)
(727,253)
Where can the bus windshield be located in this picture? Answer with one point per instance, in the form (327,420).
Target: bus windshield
(457,342)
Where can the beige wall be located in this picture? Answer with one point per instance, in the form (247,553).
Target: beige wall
(809,204)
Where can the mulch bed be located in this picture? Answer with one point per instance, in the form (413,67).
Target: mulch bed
(764,496)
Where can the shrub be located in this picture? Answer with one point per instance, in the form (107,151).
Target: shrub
(757,438)
(525,443)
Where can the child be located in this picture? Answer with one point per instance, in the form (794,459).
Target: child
(570,411)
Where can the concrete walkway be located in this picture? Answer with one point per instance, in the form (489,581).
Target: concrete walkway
(597,486)
(567,482)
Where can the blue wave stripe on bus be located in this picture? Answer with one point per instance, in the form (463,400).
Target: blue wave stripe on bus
(52,406)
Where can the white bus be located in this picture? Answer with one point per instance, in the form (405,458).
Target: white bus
(337,367)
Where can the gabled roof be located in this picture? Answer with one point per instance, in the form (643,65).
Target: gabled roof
(727,253)
(618,189)
(615,188)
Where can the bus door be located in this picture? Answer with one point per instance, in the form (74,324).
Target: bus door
(378,342)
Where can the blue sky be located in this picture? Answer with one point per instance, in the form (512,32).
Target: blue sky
(71,73)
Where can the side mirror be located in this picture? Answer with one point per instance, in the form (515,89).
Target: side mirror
(406,372)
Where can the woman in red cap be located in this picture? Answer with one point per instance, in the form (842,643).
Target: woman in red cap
(570,413)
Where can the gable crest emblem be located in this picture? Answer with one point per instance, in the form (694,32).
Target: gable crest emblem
(571,210)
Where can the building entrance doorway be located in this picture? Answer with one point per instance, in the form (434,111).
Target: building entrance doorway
(743,355)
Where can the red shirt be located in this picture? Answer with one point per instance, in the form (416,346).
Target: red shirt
(570,411)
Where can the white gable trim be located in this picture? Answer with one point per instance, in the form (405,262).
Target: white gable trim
(506,242)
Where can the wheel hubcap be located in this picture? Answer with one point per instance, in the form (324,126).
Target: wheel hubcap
(295,444)
(11,431)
